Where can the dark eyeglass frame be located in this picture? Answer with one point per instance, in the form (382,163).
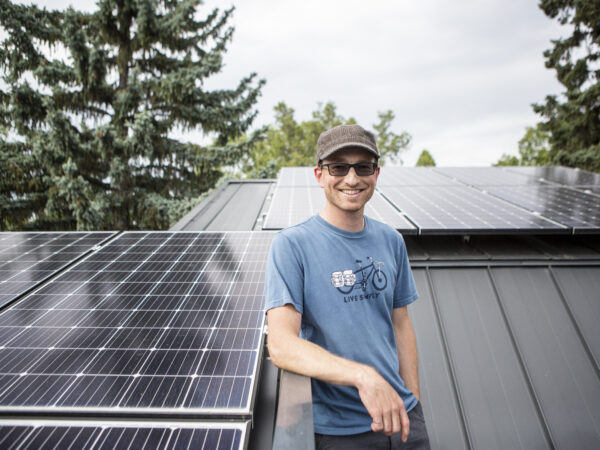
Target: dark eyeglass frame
(362,169)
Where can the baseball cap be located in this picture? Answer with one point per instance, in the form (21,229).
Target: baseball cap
(343,136)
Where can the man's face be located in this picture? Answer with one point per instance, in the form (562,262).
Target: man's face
(348,193)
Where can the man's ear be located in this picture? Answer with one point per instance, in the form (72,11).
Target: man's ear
(319,175)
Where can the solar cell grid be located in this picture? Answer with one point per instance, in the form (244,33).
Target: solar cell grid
(146,334)
(589,189)
(112,435)
(489,176)
(296,176)
(570,207)
(412,176)
(561,175)
(463,209)
(27,259)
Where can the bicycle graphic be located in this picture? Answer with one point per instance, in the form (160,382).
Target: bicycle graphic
(345,281)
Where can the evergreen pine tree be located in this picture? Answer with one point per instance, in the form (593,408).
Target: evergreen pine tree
(574,119)
(90,104)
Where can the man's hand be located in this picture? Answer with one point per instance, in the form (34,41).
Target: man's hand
(383,404)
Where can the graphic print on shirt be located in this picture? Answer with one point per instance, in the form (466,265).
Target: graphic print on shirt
(345,281)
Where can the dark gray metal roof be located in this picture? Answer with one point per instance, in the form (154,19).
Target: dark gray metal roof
(233,206)
(509,349)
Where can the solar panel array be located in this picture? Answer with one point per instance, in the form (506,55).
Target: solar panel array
(560,194)
(296,176)
(106,435)
(412,176)
(27,259)
(578,210)
(561,175)
(459,200)
(153,323)
(463,209)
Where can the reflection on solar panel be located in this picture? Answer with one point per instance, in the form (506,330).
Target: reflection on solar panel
(110,435)
(560,175)
(576,209)
(27,259)
(292,205)
(412,176)
(152,322)
(488,176)
(296,176)
(463,209)
(588,189)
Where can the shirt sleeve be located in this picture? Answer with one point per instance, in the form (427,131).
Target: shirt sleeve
(406,291)
(284,275)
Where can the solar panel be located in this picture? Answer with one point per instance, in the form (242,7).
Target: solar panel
(442,209)
(561,175)
(155,322)
(570,207)
(489,176)
(296,176)
(27,258)
(292,205)
(38,434)
(412,176)
(589,189)
(523,199)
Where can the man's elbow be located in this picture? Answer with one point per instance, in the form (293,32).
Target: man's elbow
(276,351)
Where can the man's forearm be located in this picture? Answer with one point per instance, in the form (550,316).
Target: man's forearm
(407,351)
(298,355)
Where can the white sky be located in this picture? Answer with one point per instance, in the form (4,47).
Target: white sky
(460,76)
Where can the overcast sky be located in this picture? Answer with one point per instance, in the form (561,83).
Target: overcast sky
(460,76)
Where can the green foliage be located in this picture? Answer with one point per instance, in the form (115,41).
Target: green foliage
(425,159)
(390,144)
(89,106)
(573,119)
(533,149)
(288,143)
(507,160)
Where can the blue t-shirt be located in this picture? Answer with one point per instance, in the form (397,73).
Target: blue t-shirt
(346,305)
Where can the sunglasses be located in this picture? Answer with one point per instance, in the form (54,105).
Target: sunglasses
(362,169)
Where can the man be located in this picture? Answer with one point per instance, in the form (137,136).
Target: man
(337,287)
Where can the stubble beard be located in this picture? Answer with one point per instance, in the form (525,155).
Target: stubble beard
(337,201)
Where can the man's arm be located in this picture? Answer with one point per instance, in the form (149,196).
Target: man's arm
(407,349)
(288,351)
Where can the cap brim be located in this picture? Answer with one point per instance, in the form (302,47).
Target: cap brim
(347,145)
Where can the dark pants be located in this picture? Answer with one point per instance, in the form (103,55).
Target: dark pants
(417,437)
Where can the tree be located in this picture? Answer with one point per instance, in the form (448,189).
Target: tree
(425,159)
(573,120)
(507,160)
(288,143)
(390,144)
(91,104)
(533,149)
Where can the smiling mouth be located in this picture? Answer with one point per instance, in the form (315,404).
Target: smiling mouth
(351,192)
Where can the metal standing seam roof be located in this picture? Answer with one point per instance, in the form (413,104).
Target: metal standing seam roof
(509,349)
